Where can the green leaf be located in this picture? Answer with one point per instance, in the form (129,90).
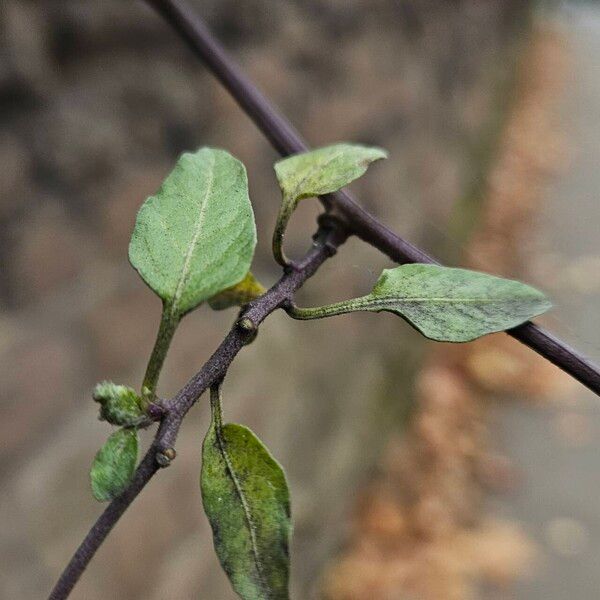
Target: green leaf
(444,304)
(246,499)
(196,236)
(119,404)
(114,465)
(241,293)
(315,173)
(324,170)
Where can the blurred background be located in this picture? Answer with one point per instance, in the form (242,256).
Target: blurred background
(418,471)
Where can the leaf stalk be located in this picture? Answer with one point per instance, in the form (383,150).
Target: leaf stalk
(164,337)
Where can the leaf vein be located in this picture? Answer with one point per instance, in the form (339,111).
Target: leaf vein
(238,488)
(185,270)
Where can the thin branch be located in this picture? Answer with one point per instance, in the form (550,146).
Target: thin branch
(286,140)
(326,242)
(102,527)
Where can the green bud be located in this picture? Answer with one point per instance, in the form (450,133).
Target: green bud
(119,404)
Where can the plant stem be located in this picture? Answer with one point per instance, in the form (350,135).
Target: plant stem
(102,527)
(327,310)
(285,212)
(216,406)
(166,331)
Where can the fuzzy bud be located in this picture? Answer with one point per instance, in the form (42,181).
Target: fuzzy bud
(119,404)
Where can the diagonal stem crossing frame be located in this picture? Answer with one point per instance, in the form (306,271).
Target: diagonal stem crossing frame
(346,218)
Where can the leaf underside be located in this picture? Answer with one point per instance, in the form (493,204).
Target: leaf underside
(114,465)
(197,235)
(246,499)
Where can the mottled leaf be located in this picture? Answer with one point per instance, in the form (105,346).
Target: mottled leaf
(444,304)
(246,499)
(316,173)
(114,464)
(119,404)
(196,236)
(241,293)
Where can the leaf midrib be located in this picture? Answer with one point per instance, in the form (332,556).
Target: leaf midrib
(185,270)
(441,299)
(366,302)
(246,508)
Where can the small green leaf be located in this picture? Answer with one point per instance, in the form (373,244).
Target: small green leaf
(196,236)
(316,173)
(444,304)
(119,404)
(324,170)
(246,499)
(114,465)
(241,293)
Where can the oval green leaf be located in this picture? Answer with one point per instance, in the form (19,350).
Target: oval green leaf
(315,173)
(196,236)
(443,303)
(246,499)
(114,465)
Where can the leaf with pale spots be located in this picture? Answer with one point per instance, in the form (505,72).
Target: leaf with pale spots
(245,496)
(443,303)
(196,236)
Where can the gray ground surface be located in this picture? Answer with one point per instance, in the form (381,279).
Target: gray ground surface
(557,447)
